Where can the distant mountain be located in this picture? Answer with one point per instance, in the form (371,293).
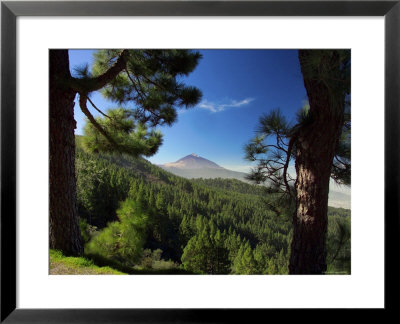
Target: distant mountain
(194,166)
(193,161)
(339,199)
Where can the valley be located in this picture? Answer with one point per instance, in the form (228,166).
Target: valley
(178,225)
(193,166)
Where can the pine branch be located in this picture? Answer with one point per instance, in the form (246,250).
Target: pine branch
(278,147)
(140,94)
(97,83)
(94,106)
(154,83)
(289,153)
(85,110)
(345,164)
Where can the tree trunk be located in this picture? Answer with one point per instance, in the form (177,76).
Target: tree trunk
(315,149)
(64,226)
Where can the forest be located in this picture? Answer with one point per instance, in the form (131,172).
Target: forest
(136,217)
(109,204)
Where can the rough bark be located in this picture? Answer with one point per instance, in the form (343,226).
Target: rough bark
(315,148)
(64,226)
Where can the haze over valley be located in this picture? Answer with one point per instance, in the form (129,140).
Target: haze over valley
(194,166)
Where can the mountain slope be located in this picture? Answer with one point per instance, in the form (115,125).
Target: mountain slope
(193,161)
(194,166)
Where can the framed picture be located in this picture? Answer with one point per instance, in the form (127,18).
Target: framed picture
(29,29)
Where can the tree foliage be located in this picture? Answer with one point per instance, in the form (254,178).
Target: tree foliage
(205,252)
(274,146)
(123,240)
(147,87)
(131,138)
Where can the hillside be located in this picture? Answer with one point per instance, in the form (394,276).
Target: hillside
(179,224)
(60,264)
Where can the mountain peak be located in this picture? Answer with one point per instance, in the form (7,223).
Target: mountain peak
(193,161)
(195,166)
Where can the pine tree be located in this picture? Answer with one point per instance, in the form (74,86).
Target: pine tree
(147,81)
(320,146)
(261,259)
(244,262)
(196,255)
(221,254)
(338,244)
(186,229)
(122,241)
(206,252)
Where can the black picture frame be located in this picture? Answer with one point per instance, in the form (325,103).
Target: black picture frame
(10,10)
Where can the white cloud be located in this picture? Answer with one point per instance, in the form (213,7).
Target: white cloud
(216,107)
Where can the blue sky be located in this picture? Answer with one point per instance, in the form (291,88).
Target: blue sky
(238,87)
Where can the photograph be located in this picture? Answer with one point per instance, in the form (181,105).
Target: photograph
(199,161)
(191,161)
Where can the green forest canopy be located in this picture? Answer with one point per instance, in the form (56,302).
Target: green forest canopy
(136,216)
